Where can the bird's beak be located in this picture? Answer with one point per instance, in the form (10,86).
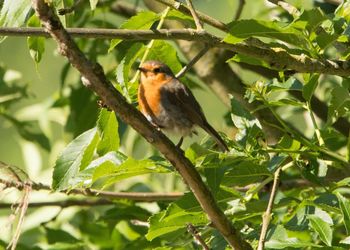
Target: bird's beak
(142,69)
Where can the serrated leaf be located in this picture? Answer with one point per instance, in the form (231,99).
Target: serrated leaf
(166,53)
(129,168)
(344,205)
(107,125)
(243,29)
(76,156)
(322,228)
(176,217)
(143,20)
(309,20)
(310,87)
(36,45)
(244,173)
(291,243)
(13,13)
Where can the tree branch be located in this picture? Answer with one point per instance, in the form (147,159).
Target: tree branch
(279,58)
(134,196)
(201,16)
(194,15)
(192,230)
(241,4)
(195,59)
(286,6)
(267,215)
(97,81)
(62,204)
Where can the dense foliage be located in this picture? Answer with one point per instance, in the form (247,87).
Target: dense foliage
(306,148)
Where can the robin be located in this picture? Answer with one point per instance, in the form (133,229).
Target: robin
(170,105)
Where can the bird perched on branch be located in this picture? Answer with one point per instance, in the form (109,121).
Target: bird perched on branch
(170,105)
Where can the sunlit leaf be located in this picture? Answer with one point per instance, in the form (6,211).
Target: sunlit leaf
(344,205)
(76,156)
(243,29)
(322,228)
(107,125)
(14,12)
(36,44)
(143,20)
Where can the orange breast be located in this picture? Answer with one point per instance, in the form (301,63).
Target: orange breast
(149,95)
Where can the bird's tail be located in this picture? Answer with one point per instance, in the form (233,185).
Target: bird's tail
(212,132)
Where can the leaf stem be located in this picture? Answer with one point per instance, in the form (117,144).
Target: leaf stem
(317,130)
(150,44)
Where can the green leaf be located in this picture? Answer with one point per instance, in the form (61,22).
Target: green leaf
(277,238)
(76,156)
(36,45)
(339,103)
(240,58)
(83,110)
(322,228)
(14,12)
(176,217)
(166,53)
(310,87)
(143,20)
(107,127)
(129,168)
(244,173)
(309,20)
(243,29)
(344,205)
(345,241)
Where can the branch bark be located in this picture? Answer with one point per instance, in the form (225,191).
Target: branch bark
(133,196)
(267,215)
(279,58)
(97,81)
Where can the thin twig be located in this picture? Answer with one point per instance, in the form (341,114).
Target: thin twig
(150,44)
(201,16)
(281,59)
(194,15)
(287,7)
(65,11)
(193,230)
(314,123)
(96,80)
(267,215)
(195,59)
(62,204)
(134,196)
(241,4)
(23,206)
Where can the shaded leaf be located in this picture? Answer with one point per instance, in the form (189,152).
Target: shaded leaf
(310,87)
(36,44)
(344,205)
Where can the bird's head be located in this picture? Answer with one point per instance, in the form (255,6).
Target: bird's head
(155,71)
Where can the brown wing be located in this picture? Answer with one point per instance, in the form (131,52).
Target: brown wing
(179,95)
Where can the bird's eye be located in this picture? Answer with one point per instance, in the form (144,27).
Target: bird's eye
(156,70)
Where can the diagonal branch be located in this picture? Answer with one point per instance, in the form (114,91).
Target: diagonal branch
(95,79)
(195,59)
(238,14)
(194,15)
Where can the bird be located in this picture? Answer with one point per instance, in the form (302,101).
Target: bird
(169,105)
